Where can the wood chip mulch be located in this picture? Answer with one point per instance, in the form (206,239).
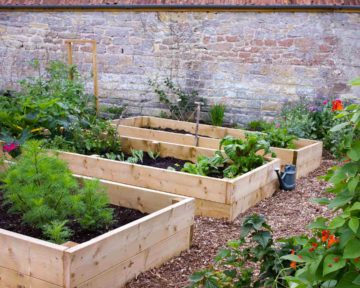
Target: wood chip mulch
(288,212)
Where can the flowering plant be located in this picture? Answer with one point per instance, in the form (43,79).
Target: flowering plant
(314,120)
(332,257)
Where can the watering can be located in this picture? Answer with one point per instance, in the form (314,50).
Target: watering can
(287,178)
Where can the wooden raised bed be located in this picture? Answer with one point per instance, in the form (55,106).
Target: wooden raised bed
(306,156)
(109,260)
(220,198)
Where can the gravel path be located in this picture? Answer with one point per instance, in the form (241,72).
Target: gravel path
(288,212)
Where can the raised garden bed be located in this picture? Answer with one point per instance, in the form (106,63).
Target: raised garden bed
(215,197)
(109,260)
(306,156)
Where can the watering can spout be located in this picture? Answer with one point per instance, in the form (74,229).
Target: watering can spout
(287,178)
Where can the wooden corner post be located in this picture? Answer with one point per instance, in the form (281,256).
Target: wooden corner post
(69,44)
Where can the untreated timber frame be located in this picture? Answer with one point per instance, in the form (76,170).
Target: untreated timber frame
(220,198)
(306,156)
(109,260)
(69,44)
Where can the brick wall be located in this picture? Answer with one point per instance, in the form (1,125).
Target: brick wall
(254,62)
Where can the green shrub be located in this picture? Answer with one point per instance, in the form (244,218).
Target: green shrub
(217,113)
(259,125)
(181,104)
(279,137)
(42,189)
(91,207)
(256,245)
(45,103)
(314,120)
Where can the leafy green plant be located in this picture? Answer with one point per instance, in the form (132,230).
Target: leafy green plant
(244,155)
(153,155)
(57,231)
(314,120)
(137,156)
(42,189)
(181,104)
(47,102)
(99,138)
(255,245)
(205,166)
(279,137)
(217,113)
(240,156)
(259,125)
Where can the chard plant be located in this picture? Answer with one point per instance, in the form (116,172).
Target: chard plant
(240,156)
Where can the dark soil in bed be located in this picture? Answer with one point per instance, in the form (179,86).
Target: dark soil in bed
(12,222)
(162,162)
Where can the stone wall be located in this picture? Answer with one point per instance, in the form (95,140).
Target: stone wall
(254,62)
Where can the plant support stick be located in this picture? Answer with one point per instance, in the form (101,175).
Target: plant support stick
(198,108)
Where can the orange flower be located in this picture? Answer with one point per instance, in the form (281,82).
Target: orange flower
(293,263)
(325,235)
(337,105)
(332,240)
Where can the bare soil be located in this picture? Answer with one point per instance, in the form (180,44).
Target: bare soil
(288,212)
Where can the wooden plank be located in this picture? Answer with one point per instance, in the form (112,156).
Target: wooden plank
(207,208)
(151,257)
(249,189)
(32,257)
(179,151)
(148,177)
(142,199)
(164,136)
(308,159)
(108,250)
(13,279)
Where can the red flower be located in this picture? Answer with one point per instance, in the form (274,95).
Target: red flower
(10,147)
(314,246)
(337,105)
(325,235)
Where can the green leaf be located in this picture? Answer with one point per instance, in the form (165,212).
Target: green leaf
(357,280)
(263,238)
(222,254)
(355,207)
(291,257)
(211,283)
(354,224)
(352,184)
(319,223)
(321,201)
(197,276)
(336,222)
(352,250)
(347,280)
(339,201)
(329,284)
(354,153)
(339,127)
(332,263)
